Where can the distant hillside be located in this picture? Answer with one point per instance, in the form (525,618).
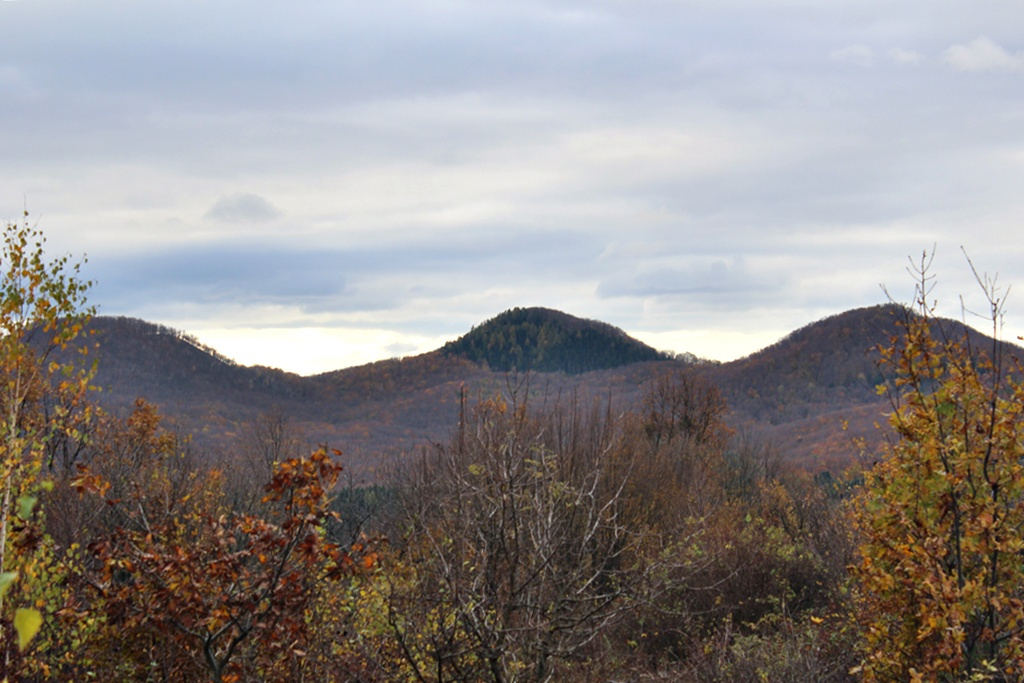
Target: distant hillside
(376,408)
(797,393)
(801,389)
(203,392)
(828,363)
(544,340)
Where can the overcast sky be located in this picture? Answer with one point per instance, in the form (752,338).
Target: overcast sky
(317,184)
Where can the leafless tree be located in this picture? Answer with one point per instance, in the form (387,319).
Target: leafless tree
(520,549)
(267,440)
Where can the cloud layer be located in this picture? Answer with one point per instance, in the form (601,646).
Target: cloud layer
(393,172)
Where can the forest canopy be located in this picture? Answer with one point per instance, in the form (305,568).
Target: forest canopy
(544,340)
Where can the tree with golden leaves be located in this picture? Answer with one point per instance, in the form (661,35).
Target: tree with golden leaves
(940,516)
(42,310)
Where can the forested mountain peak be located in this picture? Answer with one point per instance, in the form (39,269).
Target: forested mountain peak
(546,340)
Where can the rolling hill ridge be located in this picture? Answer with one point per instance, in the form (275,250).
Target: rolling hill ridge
(796,392)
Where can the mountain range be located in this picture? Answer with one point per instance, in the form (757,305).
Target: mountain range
(797,394)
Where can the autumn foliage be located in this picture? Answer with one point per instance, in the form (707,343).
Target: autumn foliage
(42,399)
(940,516)
(551,538)
(214,593)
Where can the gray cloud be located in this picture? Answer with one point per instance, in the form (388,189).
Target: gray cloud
(218,274)
(337,280)
(715,283)
(243,208)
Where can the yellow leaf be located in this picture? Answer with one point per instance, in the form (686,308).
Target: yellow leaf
(27,622)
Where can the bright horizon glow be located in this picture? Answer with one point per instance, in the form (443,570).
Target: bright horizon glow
(311,351)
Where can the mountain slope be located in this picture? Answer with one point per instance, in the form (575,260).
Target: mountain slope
(803,389)
(136,358)
(831,362)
